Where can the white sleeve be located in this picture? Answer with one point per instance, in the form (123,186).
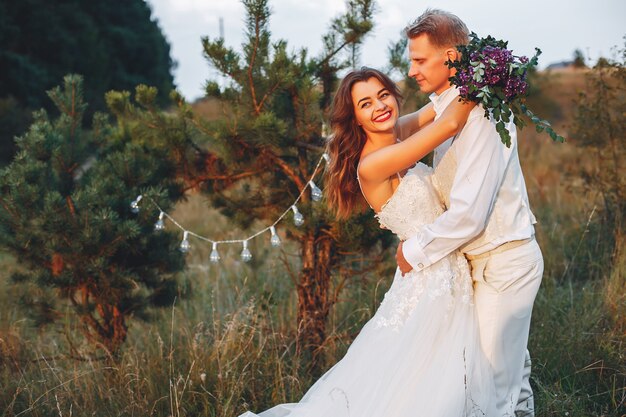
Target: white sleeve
(481,163)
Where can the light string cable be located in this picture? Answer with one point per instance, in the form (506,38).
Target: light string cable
(316,195)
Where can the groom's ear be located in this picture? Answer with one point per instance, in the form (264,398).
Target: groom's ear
(452,54)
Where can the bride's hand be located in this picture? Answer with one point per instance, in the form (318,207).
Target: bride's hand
(404,266)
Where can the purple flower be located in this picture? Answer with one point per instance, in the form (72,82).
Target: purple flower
(489,73)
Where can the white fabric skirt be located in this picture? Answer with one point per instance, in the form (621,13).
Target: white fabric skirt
(418,356)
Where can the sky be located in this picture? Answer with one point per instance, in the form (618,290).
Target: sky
(557,27)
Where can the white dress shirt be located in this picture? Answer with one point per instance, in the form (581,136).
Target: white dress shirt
(487,203)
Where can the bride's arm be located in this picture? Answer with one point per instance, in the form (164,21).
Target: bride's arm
(385,162)
(412,122)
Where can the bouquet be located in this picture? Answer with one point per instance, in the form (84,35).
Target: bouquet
(489,74)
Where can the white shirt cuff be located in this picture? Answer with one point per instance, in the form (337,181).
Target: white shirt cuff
(414,254)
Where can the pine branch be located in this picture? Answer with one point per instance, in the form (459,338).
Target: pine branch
(251,64)
(284,166)
(14,213)
(334,52)
(309,146)
(233,177)
(70,205)
(266,95)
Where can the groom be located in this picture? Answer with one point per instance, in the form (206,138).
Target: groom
(488,216)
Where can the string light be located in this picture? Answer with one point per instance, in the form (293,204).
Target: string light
(298,218)
(275,239)
(134,206)
(246,255)
(316,193)
(185,245)
(160,224)
(215,256)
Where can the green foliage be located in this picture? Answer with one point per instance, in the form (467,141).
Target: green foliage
(114,45)
(65,215)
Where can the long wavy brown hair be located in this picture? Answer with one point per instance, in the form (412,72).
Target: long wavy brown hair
(345,144)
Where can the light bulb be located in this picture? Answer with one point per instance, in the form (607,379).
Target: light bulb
(298,218)
(275,239)
(246,256)
(184,245)
(316,193)
(215,256)
(160,224)
(134,206)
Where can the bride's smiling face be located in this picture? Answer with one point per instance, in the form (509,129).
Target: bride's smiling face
(375,108)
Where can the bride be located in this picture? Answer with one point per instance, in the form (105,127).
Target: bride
(420,353)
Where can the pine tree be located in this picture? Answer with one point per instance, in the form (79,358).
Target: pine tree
(65,215)
(579,59)
(114,45)
(260,156)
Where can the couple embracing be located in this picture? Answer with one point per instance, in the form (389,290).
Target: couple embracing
(449,338)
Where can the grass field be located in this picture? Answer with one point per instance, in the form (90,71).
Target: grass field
(228,343)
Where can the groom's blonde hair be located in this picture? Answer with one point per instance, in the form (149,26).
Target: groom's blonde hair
(444,29)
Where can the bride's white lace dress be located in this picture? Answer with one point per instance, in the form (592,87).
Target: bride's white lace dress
(420,353)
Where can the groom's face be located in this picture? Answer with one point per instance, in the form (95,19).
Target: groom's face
(428,66)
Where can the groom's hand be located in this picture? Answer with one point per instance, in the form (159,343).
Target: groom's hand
(404,266)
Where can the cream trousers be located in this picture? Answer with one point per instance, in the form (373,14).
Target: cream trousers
(505,286)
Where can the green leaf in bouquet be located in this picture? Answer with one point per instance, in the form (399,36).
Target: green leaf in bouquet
(505,137)
(506,113)
(552,133)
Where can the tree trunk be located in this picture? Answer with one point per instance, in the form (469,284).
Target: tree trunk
(314,294)
(107,327)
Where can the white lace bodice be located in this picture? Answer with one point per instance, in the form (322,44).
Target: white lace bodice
(415,203)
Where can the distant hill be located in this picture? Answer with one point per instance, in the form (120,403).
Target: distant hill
(562,64)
